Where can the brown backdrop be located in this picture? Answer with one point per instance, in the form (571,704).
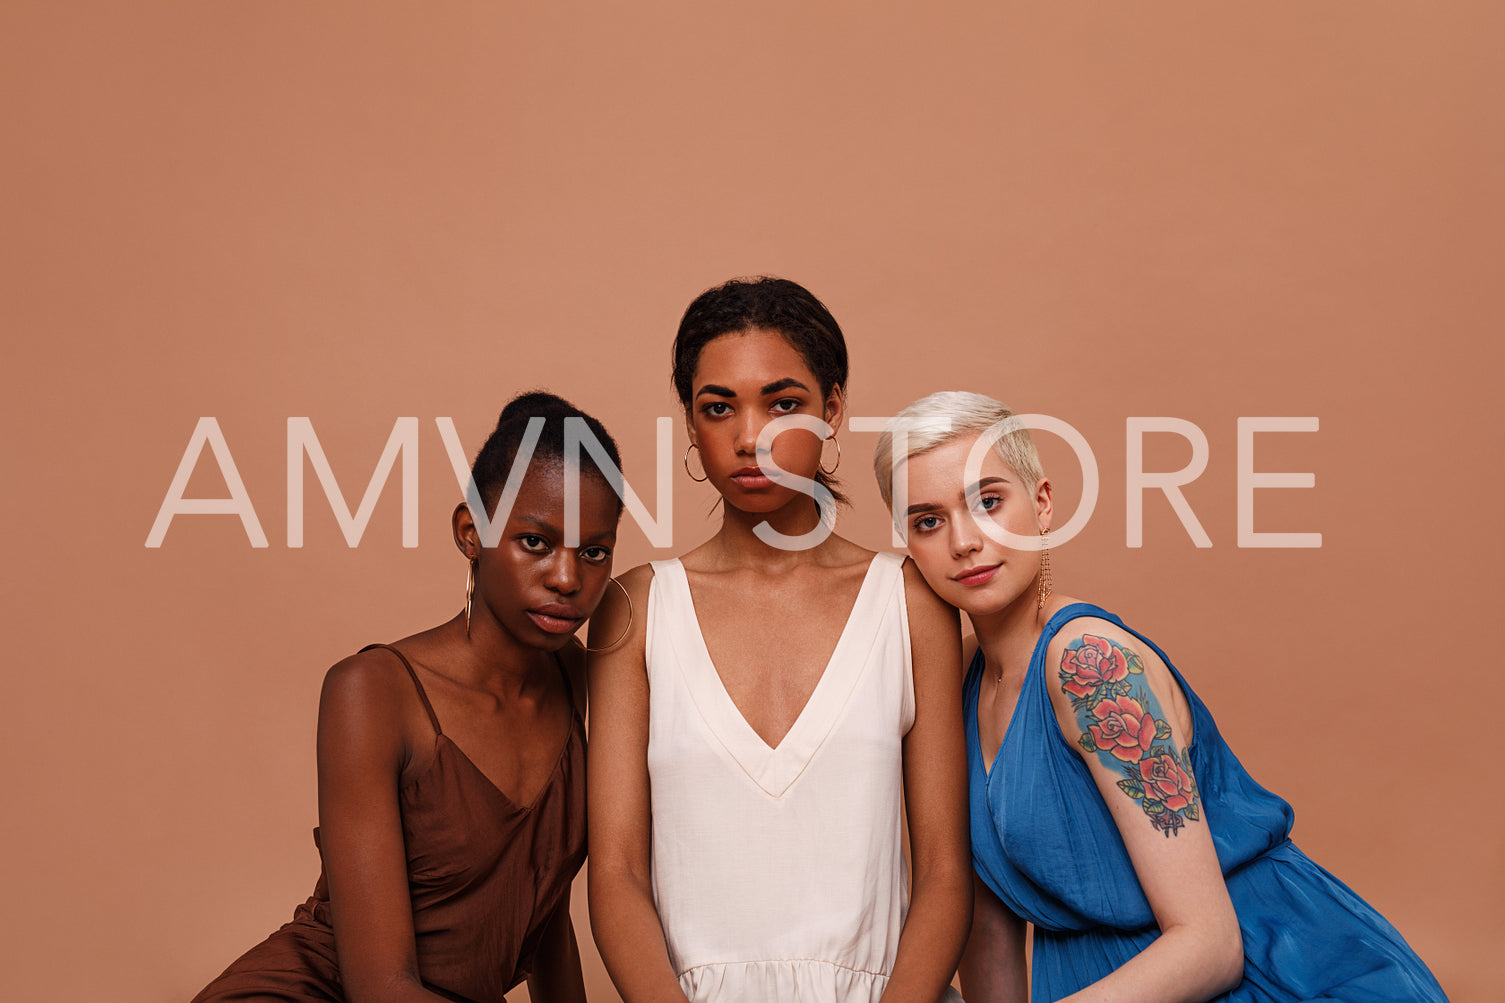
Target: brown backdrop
(356,212)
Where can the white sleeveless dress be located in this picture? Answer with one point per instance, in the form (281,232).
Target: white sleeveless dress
(779,873)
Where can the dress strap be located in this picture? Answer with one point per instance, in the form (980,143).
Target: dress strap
(424,697)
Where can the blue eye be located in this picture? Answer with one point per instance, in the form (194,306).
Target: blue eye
(926,523)
(989,502)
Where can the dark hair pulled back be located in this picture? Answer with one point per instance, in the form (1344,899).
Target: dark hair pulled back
(494,461)
(770,304)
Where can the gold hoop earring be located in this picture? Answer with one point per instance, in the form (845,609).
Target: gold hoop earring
(623,636)
(1044,589)
(823,470)
(470,589)
(703,475)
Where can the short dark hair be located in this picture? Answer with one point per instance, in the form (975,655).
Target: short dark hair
(494,461)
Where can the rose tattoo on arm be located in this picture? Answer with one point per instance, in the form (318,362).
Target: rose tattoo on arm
(1122,724)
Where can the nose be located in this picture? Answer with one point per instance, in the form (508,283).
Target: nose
(965,536)
(563,574)
(746,440)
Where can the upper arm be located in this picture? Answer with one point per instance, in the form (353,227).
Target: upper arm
(1122,710)
(935,781)
(361,751)
(617,772)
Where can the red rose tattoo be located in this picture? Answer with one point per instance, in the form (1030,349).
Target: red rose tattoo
(1126,730)
(1096,662)
(1122,724)
(1167,782)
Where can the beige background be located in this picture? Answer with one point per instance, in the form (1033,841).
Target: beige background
(355,212)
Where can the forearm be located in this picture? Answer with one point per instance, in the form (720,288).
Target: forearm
(935,931)
(1184,965)
(630,937)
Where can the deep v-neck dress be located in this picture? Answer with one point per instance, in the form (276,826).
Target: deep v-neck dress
(778,872)
(485,875)
(1045,842)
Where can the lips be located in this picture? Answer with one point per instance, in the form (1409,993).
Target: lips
(980,575)
(557,618)
(751,477)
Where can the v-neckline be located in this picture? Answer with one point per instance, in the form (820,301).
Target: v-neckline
(1042,643)
(774,767)
(526,809)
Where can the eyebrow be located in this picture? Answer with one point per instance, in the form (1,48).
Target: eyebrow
(973,490)
(765,391)
(543,524)
(552,530)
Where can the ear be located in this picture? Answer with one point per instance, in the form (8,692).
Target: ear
(1042,503)
(836,407)
(467,538)
(690,424)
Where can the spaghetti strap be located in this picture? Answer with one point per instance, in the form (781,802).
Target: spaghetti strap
(433,718)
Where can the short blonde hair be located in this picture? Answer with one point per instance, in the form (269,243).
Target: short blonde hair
(947,415)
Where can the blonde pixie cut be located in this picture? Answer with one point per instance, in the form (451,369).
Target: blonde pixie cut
(952,414)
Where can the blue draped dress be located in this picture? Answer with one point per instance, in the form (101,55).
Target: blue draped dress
(1044,842)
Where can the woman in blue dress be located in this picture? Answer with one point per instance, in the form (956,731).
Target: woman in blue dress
(1105,807)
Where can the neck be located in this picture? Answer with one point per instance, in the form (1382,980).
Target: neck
(493,660)
(740,545)
(1008,637)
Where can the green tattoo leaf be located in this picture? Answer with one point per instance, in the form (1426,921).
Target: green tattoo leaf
(1136,664)
(1132,789)
(1086,742)
(1121,688)
(1191,812)
(1152,806)
(1162,731)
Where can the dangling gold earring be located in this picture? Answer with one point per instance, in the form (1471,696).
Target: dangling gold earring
(823,469)
(470,588)
(1044,588)
(703,475)
(581,645)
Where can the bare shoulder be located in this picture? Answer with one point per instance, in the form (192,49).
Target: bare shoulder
(371,682)
(617,628)
(635,581)
(1090,656)
(369,709)
(922,600)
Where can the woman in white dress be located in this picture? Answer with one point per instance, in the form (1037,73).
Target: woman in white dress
(764,717)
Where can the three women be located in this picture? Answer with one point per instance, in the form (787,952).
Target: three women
(770,709)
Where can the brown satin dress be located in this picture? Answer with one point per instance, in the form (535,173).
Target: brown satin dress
(485,876)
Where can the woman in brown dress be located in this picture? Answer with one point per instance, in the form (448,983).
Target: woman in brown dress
(452,763)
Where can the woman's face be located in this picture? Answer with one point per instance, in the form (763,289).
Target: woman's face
(538,590)
(742,382)
(965,566)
